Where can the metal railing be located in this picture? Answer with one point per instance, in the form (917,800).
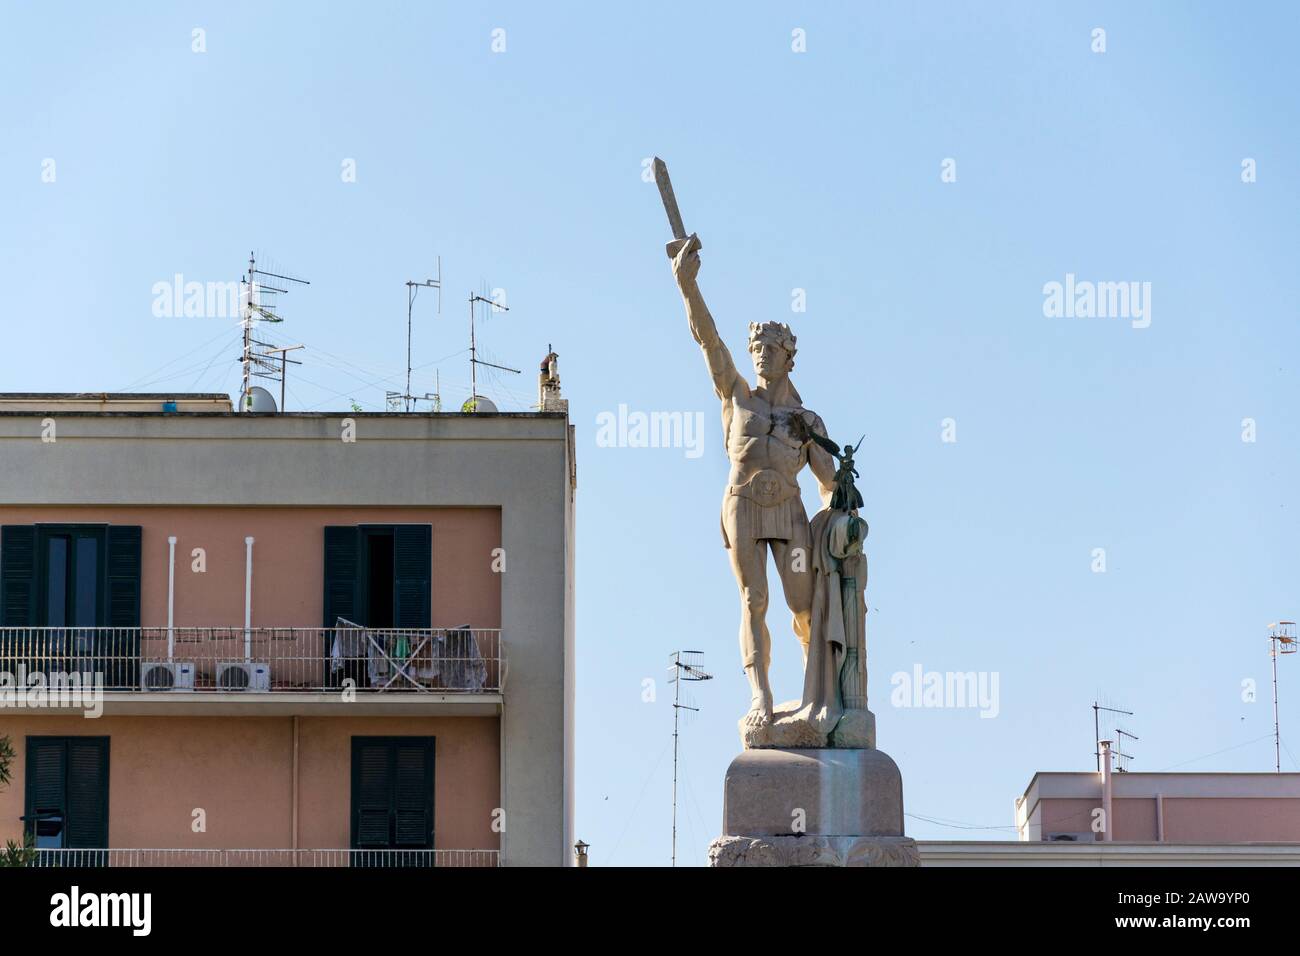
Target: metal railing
(309,659)
(273,857)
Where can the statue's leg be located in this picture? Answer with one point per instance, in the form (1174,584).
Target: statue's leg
(749,563)
(794,564)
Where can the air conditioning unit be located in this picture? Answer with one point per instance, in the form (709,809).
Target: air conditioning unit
(167,675)
(244,676)
(1084,837)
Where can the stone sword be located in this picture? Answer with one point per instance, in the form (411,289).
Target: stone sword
(670,207)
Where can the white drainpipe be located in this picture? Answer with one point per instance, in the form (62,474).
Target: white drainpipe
(1160,817)
(171,596)
(248,599)
(1105,790)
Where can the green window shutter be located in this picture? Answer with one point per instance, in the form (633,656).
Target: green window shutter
(68,776)
(372,792)
(413,793)
(412,574)
(392,793)
(119,651)
(122,577)
(17,575)
(87,793)
(46,774)
(342,573)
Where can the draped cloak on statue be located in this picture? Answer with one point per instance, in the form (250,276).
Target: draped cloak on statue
(833,559)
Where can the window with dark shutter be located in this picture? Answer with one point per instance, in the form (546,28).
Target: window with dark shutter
(392,796)
(354,582)
(413,794)
(372,796)
(77,576)
(342,574)
(87,794)
(122,577)
(67,792)
(119,649)
(412,574)
(17,575)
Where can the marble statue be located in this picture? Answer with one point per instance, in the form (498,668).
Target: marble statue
(809,787)
(770,437)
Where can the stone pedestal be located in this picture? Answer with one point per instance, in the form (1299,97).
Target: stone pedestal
(813,807)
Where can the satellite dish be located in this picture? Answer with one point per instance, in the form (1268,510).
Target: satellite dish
(479,403)
(262,401)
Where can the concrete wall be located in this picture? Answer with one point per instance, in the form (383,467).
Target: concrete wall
(519,464)
(239,770)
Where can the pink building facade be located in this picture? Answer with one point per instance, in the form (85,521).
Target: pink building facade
(318,639)
(1179,808)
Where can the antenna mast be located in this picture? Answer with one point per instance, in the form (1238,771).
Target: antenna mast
(257,308)
(474,361)
(1282,640)
(412,290)
(1096,726)
(685,666)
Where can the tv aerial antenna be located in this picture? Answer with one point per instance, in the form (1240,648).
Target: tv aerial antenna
(685,666)
(1097,708)
(1122,758)
(474,360)
(260,301)
(1283,640)
(413,287)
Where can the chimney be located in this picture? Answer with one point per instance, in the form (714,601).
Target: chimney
(548,386)
(1105,789)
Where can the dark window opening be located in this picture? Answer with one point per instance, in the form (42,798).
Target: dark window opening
(379,579)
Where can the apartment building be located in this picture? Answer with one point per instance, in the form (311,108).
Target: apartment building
(1155,819)
(285,638)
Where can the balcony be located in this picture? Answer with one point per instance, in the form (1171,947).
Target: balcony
(274,857)
(269,669)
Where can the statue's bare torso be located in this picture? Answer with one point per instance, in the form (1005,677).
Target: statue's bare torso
(760,436)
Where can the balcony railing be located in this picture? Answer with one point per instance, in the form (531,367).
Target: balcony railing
(260,659)
(288,858)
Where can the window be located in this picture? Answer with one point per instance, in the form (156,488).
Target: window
(56,576)
(67,575)
(379,575)
(392,799)
(68,579)
(67,792)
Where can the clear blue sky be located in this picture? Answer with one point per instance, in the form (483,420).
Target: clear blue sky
(818,171)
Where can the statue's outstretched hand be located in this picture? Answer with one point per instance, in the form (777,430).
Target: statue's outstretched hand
(686,261)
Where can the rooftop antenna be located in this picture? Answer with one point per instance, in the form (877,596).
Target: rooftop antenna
(285,362)
(1096,726)
(259,305)
(1282,638)
(412,290)
(1121,765)
(685,666)
(474,360)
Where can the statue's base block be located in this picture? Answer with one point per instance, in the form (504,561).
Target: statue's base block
(813,807)
(788,730)
(813,851)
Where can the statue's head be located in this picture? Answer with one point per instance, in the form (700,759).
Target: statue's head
(772,346)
